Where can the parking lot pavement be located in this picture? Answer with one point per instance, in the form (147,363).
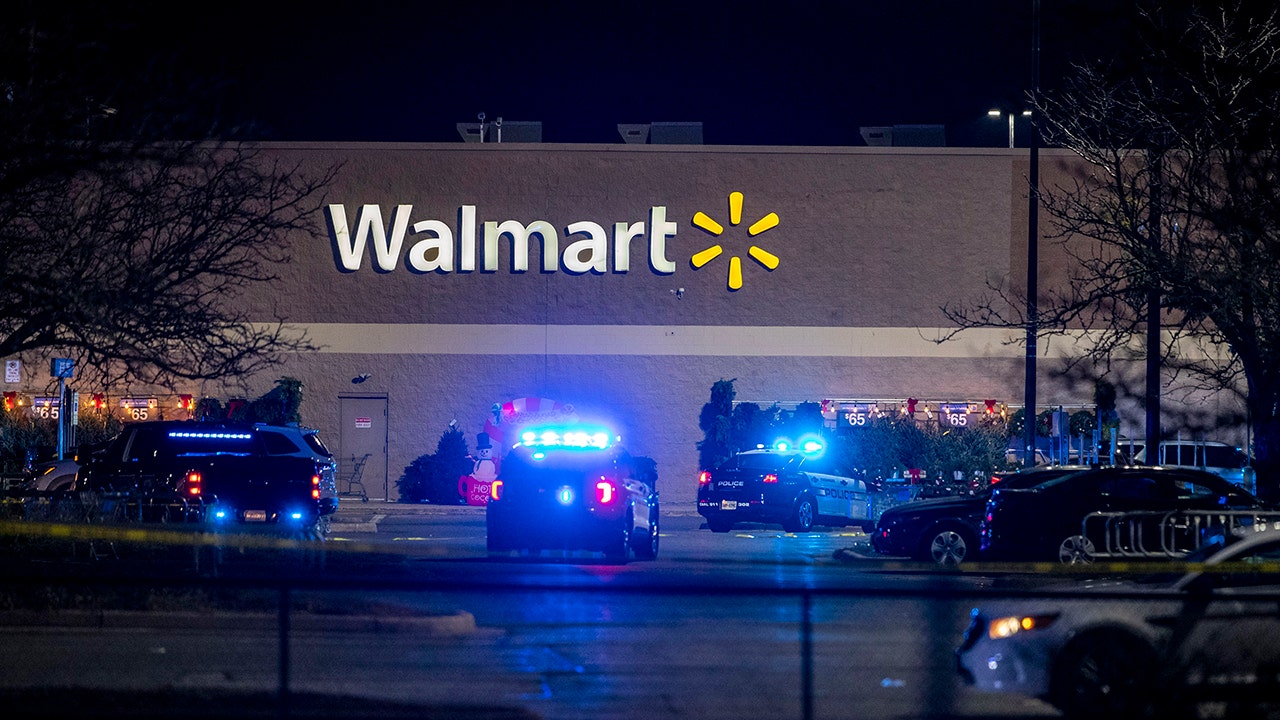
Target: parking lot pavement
(353,515)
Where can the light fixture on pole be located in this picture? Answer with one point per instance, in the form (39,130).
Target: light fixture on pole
(997,114)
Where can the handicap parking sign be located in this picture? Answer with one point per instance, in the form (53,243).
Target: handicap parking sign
(63,367)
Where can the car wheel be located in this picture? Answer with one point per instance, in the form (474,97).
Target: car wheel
(620,549)
(320,530)
(646,547)
(948,546)
(719,525)
(1076,550)
(802,516)
(1105,676)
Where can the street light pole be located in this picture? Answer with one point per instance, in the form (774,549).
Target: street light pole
(995,113)
(1033,247)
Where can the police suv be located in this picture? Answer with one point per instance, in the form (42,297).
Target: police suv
(573,489)
(798,486)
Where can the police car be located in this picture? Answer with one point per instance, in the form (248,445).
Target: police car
(573,489)
(798,485)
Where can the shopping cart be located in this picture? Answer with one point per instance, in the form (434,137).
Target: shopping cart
(354,470)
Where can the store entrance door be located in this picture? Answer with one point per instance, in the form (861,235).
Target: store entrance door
(362,446)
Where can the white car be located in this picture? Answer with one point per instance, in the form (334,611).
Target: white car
(1206,633)
(53,476)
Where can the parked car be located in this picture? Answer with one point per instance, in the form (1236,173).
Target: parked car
(51,476)
(221,473)
(1140,647)
(1046,522)
(575,489)
(945,531)
(798,487)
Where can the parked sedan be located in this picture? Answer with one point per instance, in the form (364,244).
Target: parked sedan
(1140,648)
(946,530)
(1047,522)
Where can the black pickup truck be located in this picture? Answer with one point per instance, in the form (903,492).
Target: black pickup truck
(222,474)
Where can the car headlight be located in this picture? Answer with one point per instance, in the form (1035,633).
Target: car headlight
(1006,627)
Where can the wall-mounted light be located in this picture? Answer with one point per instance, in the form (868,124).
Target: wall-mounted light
(361,378)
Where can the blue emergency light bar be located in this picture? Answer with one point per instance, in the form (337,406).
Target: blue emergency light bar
(210,435)
(572,438)
(808,445)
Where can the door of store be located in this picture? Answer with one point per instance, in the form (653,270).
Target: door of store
(362,443)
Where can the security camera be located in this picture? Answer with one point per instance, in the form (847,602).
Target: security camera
(361,378)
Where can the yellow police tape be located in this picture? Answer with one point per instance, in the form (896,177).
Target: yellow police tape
(159,534)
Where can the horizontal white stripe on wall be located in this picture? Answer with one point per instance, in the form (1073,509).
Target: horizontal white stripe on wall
(703,340)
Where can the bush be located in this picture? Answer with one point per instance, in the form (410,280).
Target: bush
(21,434)
(434,478)
(413,484)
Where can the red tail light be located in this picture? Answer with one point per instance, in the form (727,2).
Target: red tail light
(606,492)
(194,482)
(495,489)
(315,487)
(771,478)
(704,478)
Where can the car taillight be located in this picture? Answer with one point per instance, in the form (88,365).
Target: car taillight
(495,489)
(704,478)
(606,492)
(194,482)
(771,478)
(315,487)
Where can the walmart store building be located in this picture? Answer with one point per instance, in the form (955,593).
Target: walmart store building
(618,282)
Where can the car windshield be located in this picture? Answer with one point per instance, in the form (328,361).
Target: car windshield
(762,461)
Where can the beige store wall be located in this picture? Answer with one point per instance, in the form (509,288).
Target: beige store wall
(871,243)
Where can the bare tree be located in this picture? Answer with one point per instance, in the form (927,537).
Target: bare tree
(130,222)
(1177,202)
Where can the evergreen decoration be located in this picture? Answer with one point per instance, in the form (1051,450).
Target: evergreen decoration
(883,449)
(715,420)
(279,406)
(434,478)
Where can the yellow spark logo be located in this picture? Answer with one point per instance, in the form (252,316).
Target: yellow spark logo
(757,253)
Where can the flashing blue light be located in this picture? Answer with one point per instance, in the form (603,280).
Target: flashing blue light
(539,455)
(565,495)
(220,514)
(296,516)
(812,445)
(809,445)
(210,435)
(573,438)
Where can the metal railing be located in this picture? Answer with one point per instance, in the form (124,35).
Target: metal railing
(1161,534)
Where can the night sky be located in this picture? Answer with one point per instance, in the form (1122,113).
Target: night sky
(780,73)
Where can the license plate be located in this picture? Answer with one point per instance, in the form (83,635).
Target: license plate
(255,515)
(728,504)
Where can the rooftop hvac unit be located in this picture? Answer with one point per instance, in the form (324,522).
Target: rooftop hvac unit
(877,136)
(675,133)
(634,133)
